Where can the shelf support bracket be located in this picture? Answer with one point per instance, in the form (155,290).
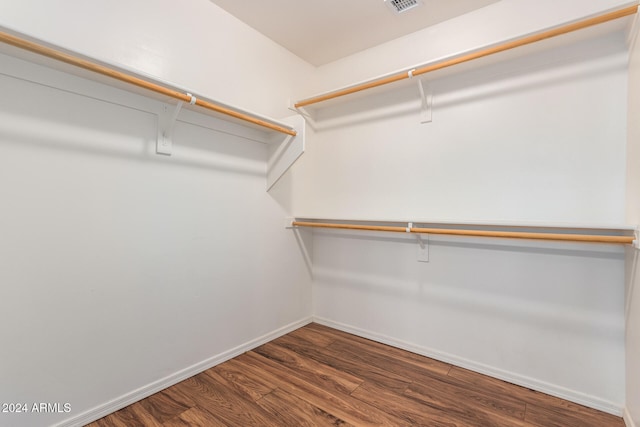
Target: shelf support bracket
(310,120)
(166,122)
(283,152)
(423,248)
(426,96)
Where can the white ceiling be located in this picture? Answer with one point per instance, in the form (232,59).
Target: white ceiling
(321,31)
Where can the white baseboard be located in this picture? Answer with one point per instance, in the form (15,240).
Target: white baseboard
(511,377)
(628,421)
(146,391)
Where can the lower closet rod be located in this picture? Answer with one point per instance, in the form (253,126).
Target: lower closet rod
(588,238)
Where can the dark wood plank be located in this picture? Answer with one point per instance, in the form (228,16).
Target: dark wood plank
(293,411)
(337,361)
(357,352)
(180,399)
(531,397)
(539,416)
(340,405)
(484,382)
(317,373)
(194,417)
(498,396)
(468,406)
(433,386)
(561,406)
(316,338)
(224,403)
(131,416)
(108,421)
(166,405)
(254,388)
(423,362)
(429,385)
(320,376)
(405,409)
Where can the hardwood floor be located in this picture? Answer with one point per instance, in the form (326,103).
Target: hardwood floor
(317,376)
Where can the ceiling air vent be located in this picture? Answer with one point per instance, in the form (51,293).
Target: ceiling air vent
(399,6)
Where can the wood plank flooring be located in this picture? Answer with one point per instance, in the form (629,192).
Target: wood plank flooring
(317,376)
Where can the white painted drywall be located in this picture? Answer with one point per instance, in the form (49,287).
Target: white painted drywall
(191,43)
(491,25)
(547,316)
(540,138)
(166,285)
(535,139)
(120,268)
(633,217)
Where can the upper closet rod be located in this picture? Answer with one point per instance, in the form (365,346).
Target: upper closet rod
(127,78)
(475,55)
(587,238)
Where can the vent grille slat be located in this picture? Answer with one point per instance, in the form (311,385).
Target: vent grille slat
(400,6)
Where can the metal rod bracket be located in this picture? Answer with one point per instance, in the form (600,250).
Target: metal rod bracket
(423,248)
(310,119)
(166,122)
(426,96)
(288,222)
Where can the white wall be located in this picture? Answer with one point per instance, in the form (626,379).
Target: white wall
(546,316)
(510,19)
(82,194)
(535,139)
(121,269)
(633,217)
(192,43)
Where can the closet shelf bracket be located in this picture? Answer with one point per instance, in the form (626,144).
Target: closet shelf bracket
(284,151)
(310,120)
(636,241)
(166,122)
(426,96)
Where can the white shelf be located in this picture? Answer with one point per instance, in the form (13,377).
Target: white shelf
(284,149)
(599,30)
(621,228)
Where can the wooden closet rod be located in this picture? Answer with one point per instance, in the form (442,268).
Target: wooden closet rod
(474,55)
(127,78)
(588,238)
